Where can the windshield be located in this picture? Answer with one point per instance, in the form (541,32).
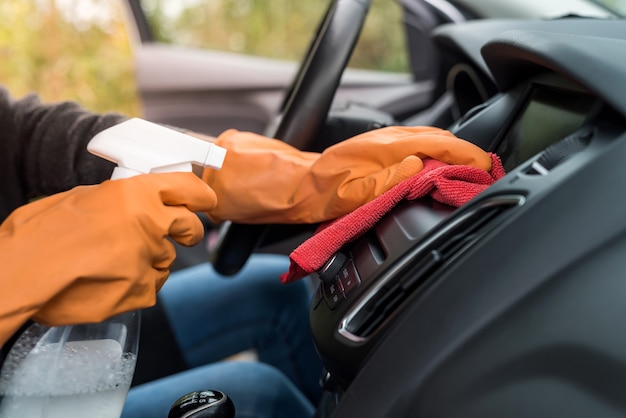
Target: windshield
(542,9)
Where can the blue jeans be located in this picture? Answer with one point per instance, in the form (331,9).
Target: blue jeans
(215,317)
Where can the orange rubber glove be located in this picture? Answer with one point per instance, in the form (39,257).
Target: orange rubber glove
(96,251)
(267,181)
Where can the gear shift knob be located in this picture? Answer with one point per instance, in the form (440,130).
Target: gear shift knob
(203,404)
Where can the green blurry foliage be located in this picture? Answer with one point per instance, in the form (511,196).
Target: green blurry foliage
(68,50)
(278,28)
(79,49)
(616,6)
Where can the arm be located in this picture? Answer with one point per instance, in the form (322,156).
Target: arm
(43,149)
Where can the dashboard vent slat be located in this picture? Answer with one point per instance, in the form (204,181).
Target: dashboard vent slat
(416,269)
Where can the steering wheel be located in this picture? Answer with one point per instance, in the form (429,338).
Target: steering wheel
(303,113)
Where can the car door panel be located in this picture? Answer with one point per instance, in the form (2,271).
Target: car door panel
(210,91)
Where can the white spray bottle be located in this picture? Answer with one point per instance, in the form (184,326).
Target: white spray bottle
(86,369)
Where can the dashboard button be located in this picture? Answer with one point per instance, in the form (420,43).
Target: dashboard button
(333,293)
(349,278)
(332,267)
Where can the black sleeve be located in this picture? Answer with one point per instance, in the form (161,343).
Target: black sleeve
(43,148)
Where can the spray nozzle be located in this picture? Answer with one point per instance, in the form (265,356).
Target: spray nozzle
(140,147)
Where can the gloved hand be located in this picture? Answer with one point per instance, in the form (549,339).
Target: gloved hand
(267,181)
(96,251)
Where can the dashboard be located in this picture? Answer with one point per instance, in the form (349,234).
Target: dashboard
(485,310)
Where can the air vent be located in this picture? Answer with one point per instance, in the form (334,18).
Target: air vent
(415,269)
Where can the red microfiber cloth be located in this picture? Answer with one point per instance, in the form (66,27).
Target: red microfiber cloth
(453,185)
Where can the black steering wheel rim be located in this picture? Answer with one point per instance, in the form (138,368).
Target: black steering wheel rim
(303,113)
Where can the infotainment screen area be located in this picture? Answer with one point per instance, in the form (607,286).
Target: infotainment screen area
(549,115)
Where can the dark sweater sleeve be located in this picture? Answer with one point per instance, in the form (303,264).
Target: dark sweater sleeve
(43,148)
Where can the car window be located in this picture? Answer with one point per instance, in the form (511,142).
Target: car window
(540,9)
(68,50)
(278,29)
(616,6)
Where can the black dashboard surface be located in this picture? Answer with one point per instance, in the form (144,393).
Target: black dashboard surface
(511,50)
(504,326)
